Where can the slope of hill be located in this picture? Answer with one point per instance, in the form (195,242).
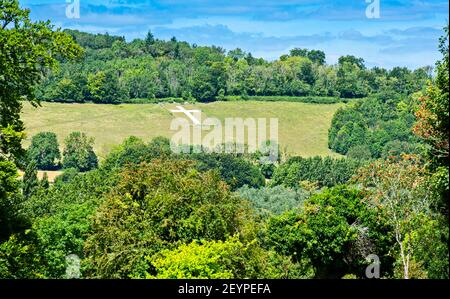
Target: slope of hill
(303,128)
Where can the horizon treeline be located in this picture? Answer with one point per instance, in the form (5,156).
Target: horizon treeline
(113,70)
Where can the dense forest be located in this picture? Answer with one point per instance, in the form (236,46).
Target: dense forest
(112,70)
(146,212)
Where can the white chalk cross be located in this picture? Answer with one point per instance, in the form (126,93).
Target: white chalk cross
(188,113)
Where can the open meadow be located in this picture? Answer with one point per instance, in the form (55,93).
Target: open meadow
(303,128)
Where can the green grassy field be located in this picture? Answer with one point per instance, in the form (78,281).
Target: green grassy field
(303,128)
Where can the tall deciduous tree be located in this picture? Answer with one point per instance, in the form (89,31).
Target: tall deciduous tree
(104,88)
(44,150)
(398,188)
(432,125)
(28,50)
(79,152)
(432,115)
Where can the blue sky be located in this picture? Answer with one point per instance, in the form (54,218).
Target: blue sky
(406,34)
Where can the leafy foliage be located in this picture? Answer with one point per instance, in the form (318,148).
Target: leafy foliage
(221,260)
(114,70)
(79,152)
(399,189)
(44,150)
(149,213)
(235,171)
(213,259)
(153,207)
(28,50)
(10,219)
(335,231)
(134,151)
(30,180)
(324,171)
(376,124)
(432,114)
(359,152)
(60,217)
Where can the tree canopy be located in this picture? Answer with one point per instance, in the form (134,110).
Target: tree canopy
(28,51)
(151,70)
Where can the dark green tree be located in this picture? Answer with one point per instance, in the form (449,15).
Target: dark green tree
(432,113)
(30,180)
(149,39)
(350,82)
(299,52)
(235,171)
(359,62)
(154,206)
(315,56)
(323,171)
(44,183)
(10,220)
(44,150)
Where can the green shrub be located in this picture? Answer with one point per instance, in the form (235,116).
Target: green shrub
(204,260)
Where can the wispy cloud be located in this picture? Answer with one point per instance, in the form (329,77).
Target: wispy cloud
(337,27)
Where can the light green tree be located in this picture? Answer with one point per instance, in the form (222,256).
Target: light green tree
(79,152)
